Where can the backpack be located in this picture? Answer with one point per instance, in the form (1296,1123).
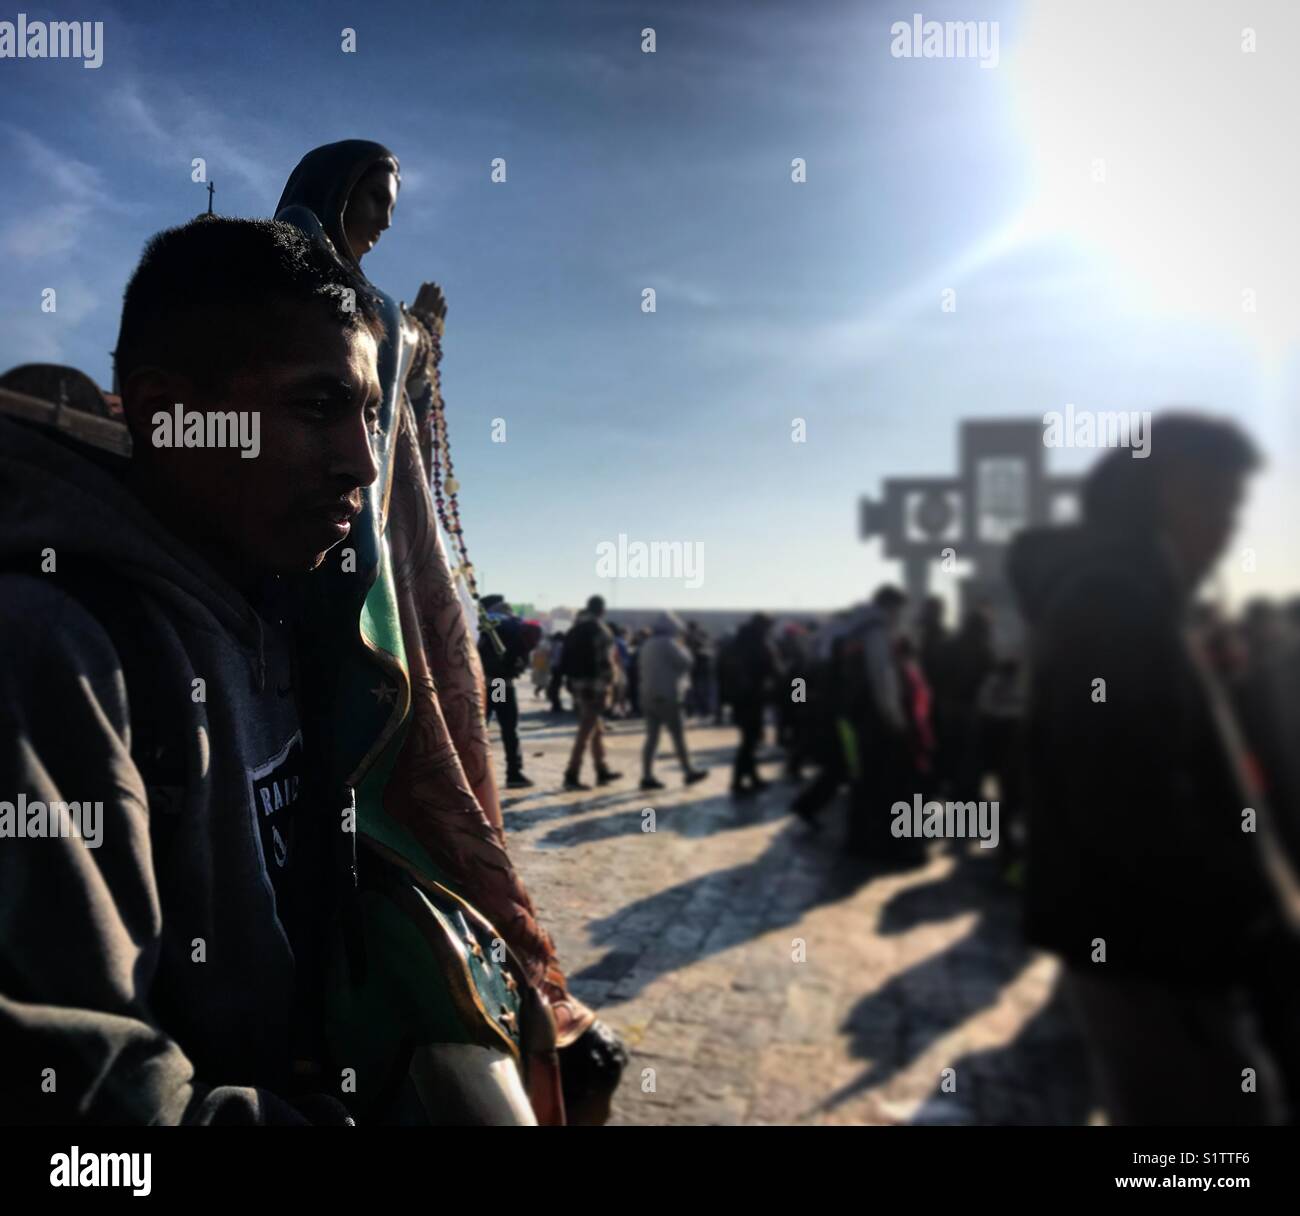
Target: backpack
(586,651)
(518,637)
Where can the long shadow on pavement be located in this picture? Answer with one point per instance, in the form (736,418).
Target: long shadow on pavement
(897,1023)
(523,812)
(1039,1078)
(718,910)
(719,813)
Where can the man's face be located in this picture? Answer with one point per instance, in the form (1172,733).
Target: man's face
(317,399)
(1198,508)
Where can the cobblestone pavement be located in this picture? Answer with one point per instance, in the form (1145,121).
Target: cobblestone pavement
(759,975)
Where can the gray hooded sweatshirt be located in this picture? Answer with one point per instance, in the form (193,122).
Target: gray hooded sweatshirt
(146,967)
(665,662)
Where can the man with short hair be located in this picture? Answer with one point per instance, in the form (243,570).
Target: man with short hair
(1146,874)
(173,974)
(588,665)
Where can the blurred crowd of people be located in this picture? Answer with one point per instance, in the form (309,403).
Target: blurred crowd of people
(865,699)
(876,699)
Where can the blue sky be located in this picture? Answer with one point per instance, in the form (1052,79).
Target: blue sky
(775,300)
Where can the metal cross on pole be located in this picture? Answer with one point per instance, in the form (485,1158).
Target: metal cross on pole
(1003,486)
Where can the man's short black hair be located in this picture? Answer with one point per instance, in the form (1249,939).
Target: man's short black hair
(198,302)
(1120,491)
(596,605)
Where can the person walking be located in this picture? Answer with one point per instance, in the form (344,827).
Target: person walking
(540,665)
(665,664)
(1169,918)
(699,694)
(824,744)
(618,703)
(588,665)
(873,706)
(555,665)
(751,666)
(639,639)
(501,670)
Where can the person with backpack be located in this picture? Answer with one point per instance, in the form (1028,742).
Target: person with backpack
(588,666)
(501,669)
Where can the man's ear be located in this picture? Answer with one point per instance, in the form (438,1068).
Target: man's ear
(149,391)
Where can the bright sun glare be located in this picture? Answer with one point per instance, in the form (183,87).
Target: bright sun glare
(1161,144)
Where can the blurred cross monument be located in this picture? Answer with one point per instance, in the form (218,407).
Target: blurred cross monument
(1002,487)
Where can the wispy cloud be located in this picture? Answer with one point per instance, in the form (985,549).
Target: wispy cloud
(176,127)
(71,191)
(72,177)
(48,233)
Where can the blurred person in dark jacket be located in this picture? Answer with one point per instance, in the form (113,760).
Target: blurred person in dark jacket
(700,692)
(932,637)
(1001,709)
(751,664)
(794,649)
(588,663)
(874,709)
(823,744)
(1267,693)
(1154,871)
(917,707)
(555,657)
(965,662)
(639,640)
(501,670)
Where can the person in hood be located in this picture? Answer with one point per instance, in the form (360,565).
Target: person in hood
(1153,870)
(163,968)
(665,667)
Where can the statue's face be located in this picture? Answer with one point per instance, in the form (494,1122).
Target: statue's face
(370,209)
